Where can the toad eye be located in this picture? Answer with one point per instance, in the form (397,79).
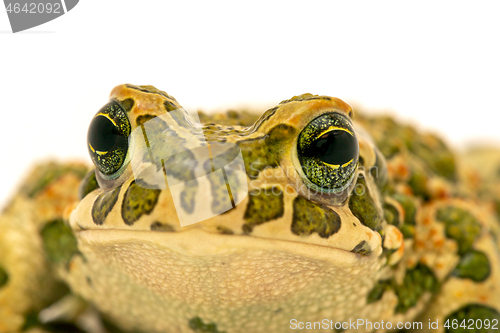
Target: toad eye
(328,153)
(107,138)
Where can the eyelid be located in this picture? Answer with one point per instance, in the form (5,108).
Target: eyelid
(334,128)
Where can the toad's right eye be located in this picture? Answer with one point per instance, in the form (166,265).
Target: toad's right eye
(107,138)
(328,152)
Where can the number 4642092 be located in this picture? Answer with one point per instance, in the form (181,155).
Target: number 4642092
(34,8)
(471,324)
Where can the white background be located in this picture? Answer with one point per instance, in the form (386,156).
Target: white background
(435,64)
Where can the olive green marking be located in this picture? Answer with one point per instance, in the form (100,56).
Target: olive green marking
(256,158)
(104,204)
(364,207)
(434,152)
(496,206)
(49,174)
(197,325)
(416,282)
(265,152)
(232,117)
(59,242)
(473,265)
(391,214)
(263,205)
(305,97)
(88,184)
(138,201)
(127,104)
(418,183)
(169,106)
(224,230)
(4,277)
(408,227)
(378,290)
(264,118)
(150,90)
(309,217)
(142,119)
(473,312)
(110,327)
(362,248)
(159,226)
(393,138)
(460,225)
(30,321)
(409,207)
(408,231)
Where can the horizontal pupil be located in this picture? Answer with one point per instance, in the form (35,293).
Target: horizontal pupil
(103,135)
(334,147)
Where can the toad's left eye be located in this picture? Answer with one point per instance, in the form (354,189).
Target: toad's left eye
(328,152)
(107,138)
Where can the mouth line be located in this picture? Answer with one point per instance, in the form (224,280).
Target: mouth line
(234,242)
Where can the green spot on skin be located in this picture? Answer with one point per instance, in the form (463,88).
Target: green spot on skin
(408,206)
(391,214)
(197,325)
(418,183)
(408,231)
(88,184)
(309,217)
(265,152)
(263,205)
(59,242)
(475,313)
(460,225)
(127,104)
(473,265)
(158,226)
(363,206)
(302,97)
(416,282)
(31,320)
(170,106)
(103,205)
(143,118)
(138,201)
(224,230)
(4,277)
(362,248)
(378,291)
(256,159)
(408,227)
(434,153)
